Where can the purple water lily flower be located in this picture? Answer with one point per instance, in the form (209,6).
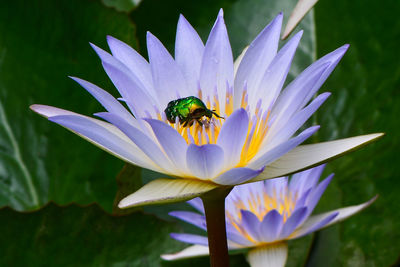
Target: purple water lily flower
(262,216)
(256,138)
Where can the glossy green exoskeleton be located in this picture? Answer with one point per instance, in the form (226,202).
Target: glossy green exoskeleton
(188,110)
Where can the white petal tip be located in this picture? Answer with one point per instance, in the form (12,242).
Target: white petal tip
(167,257)
(323,220)
(372,200)
(307,156)
(48,111)
(301,9)
(189,252)
(377,135)
(123,204)
(35,107)
(163,190)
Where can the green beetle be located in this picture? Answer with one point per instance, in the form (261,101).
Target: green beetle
(188,110)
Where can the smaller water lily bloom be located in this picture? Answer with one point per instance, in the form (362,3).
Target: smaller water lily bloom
(204,119)
(262,216)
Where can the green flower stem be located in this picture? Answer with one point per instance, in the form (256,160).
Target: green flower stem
(214,206)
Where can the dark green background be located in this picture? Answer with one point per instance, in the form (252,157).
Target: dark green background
(42,42)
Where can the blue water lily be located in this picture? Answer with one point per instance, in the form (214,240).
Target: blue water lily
(262,216)
(255,135)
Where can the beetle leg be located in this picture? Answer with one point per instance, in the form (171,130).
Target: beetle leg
(216,115)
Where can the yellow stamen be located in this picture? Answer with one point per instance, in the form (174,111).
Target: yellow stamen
(209,131)
(260,205)
(244,101)
(229,104)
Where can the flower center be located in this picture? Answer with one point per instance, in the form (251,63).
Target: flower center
(260,205)
(208,130)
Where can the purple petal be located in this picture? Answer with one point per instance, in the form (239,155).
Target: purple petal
(298,120)
(191,239)
(118,67)
(148,146)
(233,135)
(131,90)
(275,76)
(237,176)
(205,161)
(309,228)
(277,186)
(171,141)
(305,180)
(293,221)
(217,64)
(299,92)
(271,226)
(334,58)
(257,58)
(134,61)
(301,202)
(189,53)
(190,217)
(317,193)
(167,76)
(236,237)
(245,192)
(197,203)
(283,148)
(49,111)
(107,57)
(105,136)
(316,222)
(251,224)
(283,111)
(105,99)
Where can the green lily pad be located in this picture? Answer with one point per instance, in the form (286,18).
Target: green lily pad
(42,42)
(82,236)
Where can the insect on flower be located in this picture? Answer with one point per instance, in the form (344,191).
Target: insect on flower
(188,110)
